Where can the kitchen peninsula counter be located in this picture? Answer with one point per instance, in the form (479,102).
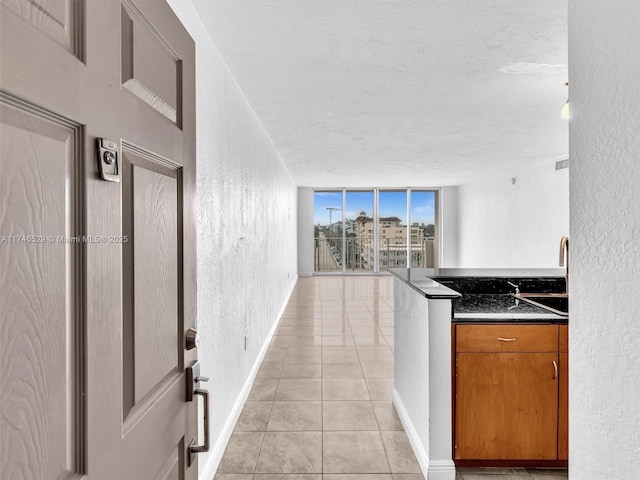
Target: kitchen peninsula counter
(484,294)
(426,302)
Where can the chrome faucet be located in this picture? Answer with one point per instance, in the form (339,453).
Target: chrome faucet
(564,260)
(517,302)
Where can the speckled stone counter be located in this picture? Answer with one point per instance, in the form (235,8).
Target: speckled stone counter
(418,279)
(486,295)
(487,308)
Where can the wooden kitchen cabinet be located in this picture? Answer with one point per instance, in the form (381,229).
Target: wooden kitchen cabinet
(507,390)
(563,400)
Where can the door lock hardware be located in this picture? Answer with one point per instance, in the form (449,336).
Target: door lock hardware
(195,449)
(193,388)
(193,379)
(108,160)
(192,339)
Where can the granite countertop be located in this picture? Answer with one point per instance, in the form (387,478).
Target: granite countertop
(477,272)
(484,295)
(418,279)
(500,307)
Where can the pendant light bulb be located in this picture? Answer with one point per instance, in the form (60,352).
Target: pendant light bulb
(565,111)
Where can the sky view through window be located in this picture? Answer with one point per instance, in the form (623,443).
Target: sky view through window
(392,203)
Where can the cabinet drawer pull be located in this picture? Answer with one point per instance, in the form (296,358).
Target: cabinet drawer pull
(555,369)
(507,339)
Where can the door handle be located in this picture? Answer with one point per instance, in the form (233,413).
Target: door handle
(194,378)
(555,369)
(194,449)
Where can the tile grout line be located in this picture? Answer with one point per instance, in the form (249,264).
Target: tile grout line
(365,381)
(255,467)
(377,422)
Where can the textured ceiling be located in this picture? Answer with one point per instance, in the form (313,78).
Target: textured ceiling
(400,92)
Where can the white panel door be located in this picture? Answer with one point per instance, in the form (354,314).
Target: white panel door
(97,278)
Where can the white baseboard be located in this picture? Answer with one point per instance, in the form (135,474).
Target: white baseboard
(442,470)
(431,470)
(208,470)
(414,440)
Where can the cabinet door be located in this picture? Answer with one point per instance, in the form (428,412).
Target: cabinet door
(563,405)
(506,406)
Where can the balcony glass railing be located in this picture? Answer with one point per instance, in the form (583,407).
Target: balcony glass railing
(359,254)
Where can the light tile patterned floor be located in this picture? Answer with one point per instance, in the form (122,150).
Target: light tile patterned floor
(320,408)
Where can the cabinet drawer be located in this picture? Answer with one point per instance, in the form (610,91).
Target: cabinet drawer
(507,338)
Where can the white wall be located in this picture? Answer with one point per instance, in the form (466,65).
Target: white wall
(411,365)
(246,232)
(448,220)
(604,139)
(305,231)
(501,224)
(422,378)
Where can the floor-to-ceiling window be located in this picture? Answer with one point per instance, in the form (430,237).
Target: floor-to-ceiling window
(423,228)
(370,231)
(359,231)
(392,229)
(328,241)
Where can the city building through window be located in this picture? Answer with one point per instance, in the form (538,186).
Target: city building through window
(370,231)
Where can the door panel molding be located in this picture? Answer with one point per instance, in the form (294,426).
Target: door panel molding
(62,21)
(153,363)
(43,291)
(151,68)
(171,468)
(136,412)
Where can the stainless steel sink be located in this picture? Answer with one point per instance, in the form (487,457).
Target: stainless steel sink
(557,303)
